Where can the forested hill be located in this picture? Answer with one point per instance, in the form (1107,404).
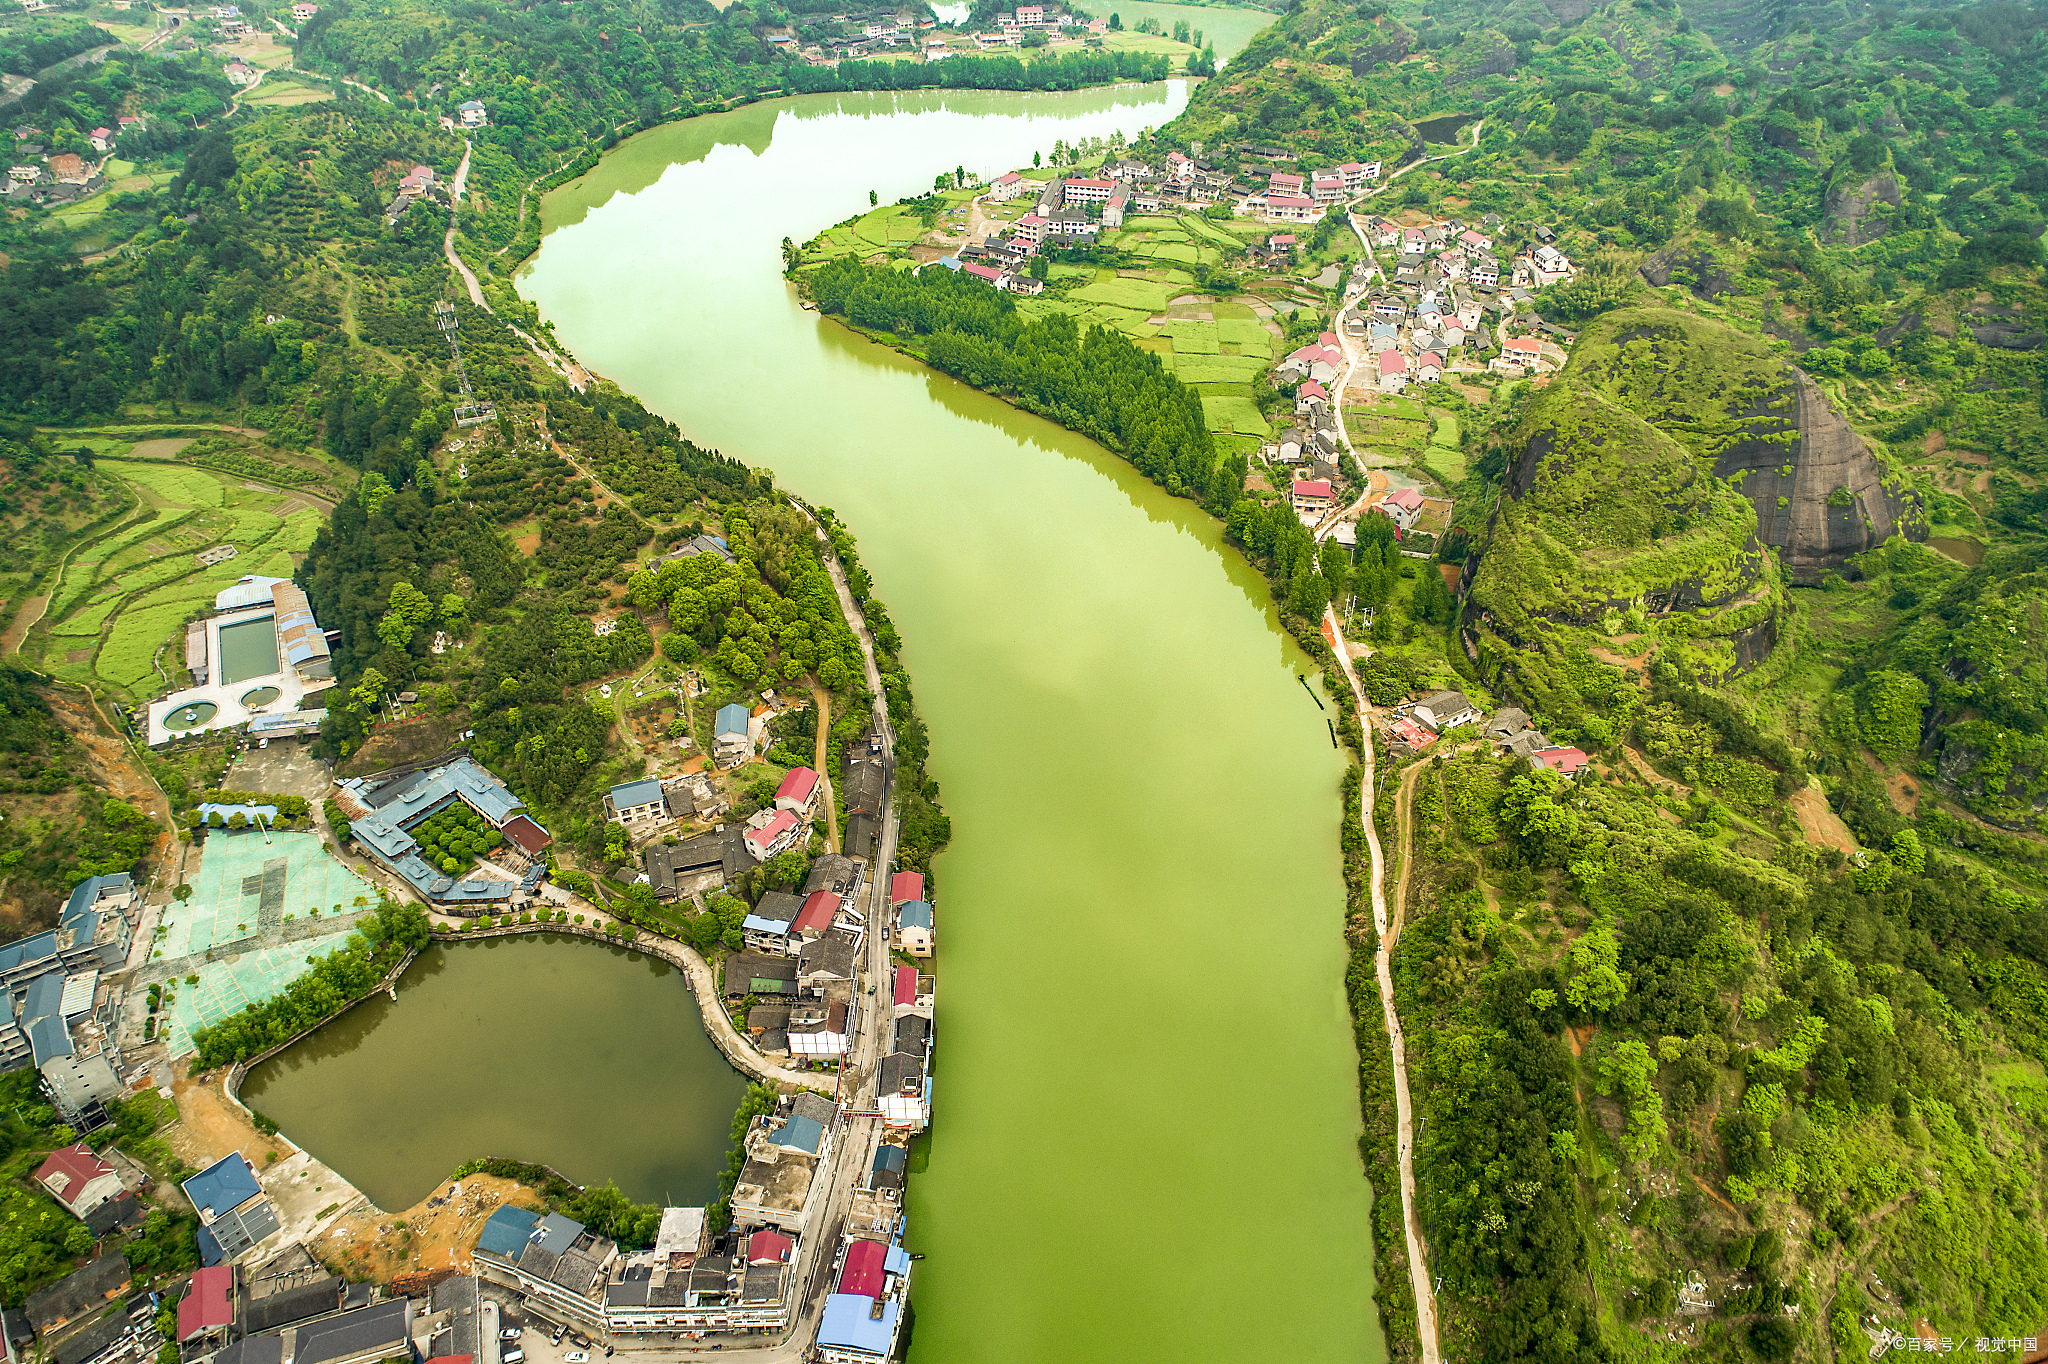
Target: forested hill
(1734,1045)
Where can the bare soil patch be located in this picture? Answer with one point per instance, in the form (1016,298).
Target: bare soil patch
(406,742)
(165,448)
(438,1232)
(1820,824)
(209,1126)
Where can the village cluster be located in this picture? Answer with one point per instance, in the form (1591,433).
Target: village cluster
(41,177)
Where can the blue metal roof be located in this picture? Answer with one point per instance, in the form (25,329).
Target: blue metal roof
(914,914)
(627,794)
(732,719)
(761,925)
(85,894)
(848,1325)
(42,1017)
(558,1233)
(384,828)
(223,1186)
(210,1252)
(800,1132)
(897,1261)
(507,1231)
(27,950)
(888,1157)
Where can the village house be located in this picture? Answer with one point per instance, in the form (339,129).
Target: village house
(770,832)
(1007,187)
(798,792)
(732,740)
(1312,496)
(1565,760)
(417,182)
(234,1214)
(1289,208)
(914,928)
(472,114)
(1447,710)
(302,11)
(1393,371)
(636,802)
(1429,367)
(1352,173)
(78,1179)
(102,139)
(1401,506)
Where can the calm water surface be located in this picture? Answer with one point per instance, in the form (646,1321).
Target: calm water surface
(553,1049)
(1146,1103)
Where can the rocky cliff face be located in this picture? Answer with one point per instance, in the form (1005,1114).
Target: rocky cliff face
(1822,497)
(1846,217)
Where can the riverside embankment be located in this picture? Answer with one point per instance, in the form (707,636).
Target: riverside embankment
(1145,1036)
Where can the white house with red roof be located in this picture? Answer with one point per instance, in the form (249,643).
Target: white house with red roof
(102,139)
(1006,188)
(1289,208)
(1429,367)
(1030,228)
(1284,182)
(1089,191)
(1565,760)
(208,1308)
(417,181)
(905,886)
(1308,395)
(1327,188)
(819,909)
(1352,173)
(1312,496)
(1393,371)
(78,1179)
(1475,240)
(798,793)
(1402,506)
(1320,363)
(772,834)
(1030,16)
(1180,167)
(987,274)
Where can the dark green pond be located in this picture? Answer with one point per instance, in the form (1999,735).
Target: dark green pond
(544,1048)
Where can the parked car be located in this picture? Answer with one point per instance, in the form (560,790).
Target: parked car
(576,1357)
(512,1357)
(509,1333)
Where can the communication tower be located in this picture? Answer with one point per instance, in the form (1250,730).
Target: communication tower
(468,412)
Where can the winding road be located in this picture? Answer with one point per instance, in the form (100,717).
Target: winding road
(1389,933)
(578,377)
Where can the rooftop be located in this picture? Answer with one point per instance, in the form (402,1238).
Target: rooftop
(223,1186)
(849,1324)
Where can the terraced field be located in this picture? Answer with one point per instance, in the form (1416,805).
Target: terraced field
(117,614)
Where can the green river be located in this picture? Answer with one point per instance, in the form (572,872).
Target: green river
(1146,1117)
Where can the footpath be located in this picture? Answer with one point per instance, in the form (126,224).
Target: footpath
(1418,1267)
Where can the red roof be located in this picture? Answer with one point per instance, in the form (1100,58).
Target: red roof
(906,985)
(530,837)
(1093,184)
(863,1274)
(1311,487)
(1311,389)
(1010,179)
(772,830)
(1527,344)
(74,1167)
(1414,735)
(208,1306)
(445,1359)
(1352,166)
(1288,201)
(1393,362)
(1565,760)
(769,1248)
(905,886)
(1284,178)
(1404,497)
(816,915)
(101,132)
(1430,358)
(1281,239)
(984,272)
(798,785)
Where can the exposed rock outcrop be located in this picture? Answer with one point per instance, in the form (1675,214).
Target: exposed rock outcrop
(1846,216)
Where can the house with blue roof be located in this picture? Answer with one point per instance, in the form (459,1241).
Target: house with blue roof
(234,1214)
(548,1257)
(636,802)
(732,740)
(391,810)
(854,1332)
(914,928)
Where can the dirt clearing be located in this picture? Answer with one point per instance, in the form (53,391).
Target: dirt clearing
(438,1232)
(209,1126)
(1820,824)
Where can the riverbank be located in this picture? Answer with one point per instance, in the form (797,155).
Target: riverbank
(1037,616)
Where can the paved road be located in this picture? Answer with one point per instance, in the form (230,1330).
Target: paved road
(1404,1129)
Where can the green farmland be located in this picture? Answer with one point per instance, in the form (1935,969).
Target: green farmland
(116,613)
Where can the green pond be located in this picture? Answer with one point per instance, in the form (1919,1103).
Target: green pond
(248,648)
(539,1047)
(1145,1139)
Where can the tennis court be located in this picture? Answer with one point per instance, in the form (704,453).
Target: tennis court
(228,986)
(247,883)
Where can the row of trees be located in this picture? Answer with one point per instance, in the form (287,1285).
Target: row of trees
(1067,71)
(334,982)
(1094,380)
